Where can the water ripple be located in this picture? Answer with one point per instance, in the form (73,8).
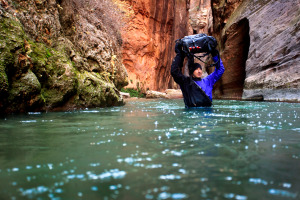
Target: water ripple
(153,149)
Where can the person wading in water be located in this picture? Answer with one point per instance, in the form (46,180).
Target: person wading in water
(197,91)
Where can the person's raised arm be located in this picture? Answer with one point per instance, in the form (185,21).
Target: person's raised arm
(219,70)
(177,64)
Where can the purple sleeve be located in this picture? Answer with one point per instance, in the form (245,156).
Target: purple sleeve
(216,75)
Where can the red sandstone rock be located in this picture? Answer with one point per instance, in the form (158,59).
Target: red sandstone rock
(148,42)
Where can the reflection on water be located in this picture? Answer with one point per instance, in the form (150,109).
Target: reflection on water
(153,149)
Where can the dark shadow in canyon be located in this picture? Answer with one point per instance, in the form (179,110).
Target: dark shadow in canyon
(235,44)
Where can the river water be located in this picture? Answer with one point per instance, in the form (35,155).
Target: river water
(153,149)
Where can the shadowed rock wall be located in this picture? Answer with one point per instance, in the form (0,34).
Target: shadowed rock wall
(234,54)
(58,55)
(272,65)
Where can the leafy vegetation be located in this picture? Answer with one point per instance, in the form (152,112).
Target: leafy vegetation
(48,53)
(133,92)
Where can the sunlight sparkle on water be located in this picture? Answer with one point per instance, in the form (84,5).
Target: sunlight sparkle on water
(153,149)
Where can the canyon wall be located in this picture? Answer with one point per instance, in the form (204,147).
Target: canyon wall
(67,54)
(59,55)
(200,17)
(260,49)
(247,32)
(149,40)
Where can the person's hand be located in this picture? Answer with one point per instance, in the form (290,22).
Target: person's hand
(191,60)
(212,43)
(214,52)
(178,47)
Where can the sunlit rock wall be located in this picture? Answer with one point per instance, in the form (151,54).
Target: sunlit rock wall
(149,39)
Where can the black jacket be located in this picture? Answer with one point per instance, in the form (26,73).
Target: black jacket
(193,94)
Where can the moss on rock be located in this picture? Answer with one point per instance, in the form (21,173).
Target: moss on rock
(11,39)
(38,75)
(3,81)
(24,94)
(55,72)
(93,91)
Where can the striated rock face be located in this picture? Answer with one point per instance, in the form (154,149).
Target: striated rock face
(149,39)
(57,56)
(200,16)
(260,49)
(273,65)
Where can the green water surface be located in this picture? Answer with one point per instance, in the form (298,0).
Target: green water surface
(153,149)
